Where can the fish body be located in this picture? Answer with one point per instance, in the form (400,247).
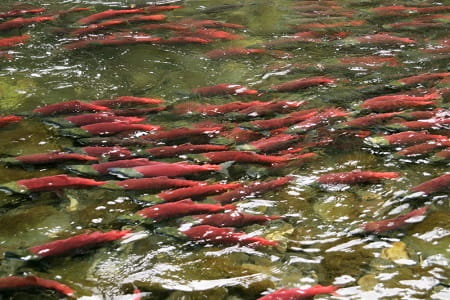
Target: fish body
(13,41)
(109,153)
(73,106)
(20,22)
(299,294)
(241,156)
(232,219)
(18,282)
(291,119)
(179,208)
(87,119)
(5,120)
(404,138)
(172,151)
(180,133)
(392,224)
(127,100)
(153,183)
(223,89)
(196,191)
(48,158)
(434,185)
(270,144)
(66,246)
(302,83)
(217,235)
(356,176)
(103,168)
(163,169)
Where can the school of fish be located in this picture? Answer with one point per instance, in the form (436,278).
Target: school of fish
(117,146)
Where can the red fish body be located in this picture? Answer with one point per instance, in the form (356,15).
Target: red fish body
(113,40)
(395,105)
(392,224)
(299,294)
(73,106)
(159,8)
(111,153)
(302,83)
(242,157)
(20,12)
(434,185)
(356,176)
(87,119)
(184,40)
(441,155)
(13,41)
(405,138)
(50,183)
(436,123)
(257,188)
(49,158)
(108,14)
(20,22)
(196,191)
(310,26)
(292,118)
(213,34)
(236,136)
(180,133)
(266,108)
(233,52)
(422,149)
(423,78)
(232,219)
(270,144)
(384,38)
(111,128)
(370,61)
(220,236)
(317,120)
(369,120)
(179,208)
(172,151)
(127,100)
(155,183)
(223,89)
(163,169)
(66,246)
(17,282)
(5,120)
(213,110)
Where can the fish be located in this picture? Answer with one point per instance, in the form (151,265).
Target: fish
(224,236)
(193,23)
(115,141)
(16,282)
(356,176)
(73,106)
(421,78)
(103,168)
(369,120)
(238,156)
(435,123)
(404,138)
(115,39)
(162,169)
(153,183)
(309,26)
(394,10)
(14,41)
(159,8)
(382,38)
(20,22)
(195,191)
(395,102)
(267,108)
(213,34)
(395,223)
(211,109)
(298,293)
(223,89)
(114,22)
(370,61)
(48,183)
(270,144)
(87,119)
(21,12)
(302,83)
(252,189)
(175,150)
(71,244)
(421,149)
(47,158)
(107,153)
(106,128)
(5,120)
(176,40)
(127,100)
(441,155)
(234,52)
(320,119)
(412,25)
(231,219)
(110,13)
(185,207)
(181,133)
(290,119)
(438,184)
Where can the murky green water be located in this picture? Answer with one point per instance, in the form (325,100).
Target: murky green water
(316,244)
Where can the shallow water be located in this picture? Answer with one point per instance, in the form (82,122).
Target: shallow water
(317,239)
